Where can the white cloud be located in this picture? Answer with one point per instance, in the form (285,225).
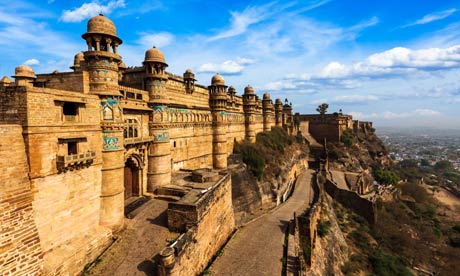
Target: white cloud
(252,15)
(348,99)
(362,116)
(32,61)
(432,17)
(229,67)
(279,85)
(240,21)
(396,61)
(158,39)
(90,9)
(415,113)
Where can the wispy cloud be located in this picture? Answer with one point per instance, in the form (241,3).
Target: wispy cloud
(93,8)
(240,21)
(348,99)
(161,39)
(251,15)
(432,17)
(228,67)
(390,115)
(32,61)
(19,34)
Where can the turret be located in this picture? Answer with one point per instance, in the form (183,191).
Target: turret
(5,81)
(78,60)
(218,103)
(159,156)
(279,112)
(268,112)
(189,81)
(287,116)
(101,61)
(102,57)
(155,75)
(249,107)
(24,76)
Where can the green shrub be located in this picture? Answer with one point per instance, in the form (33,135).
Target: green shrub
(323,228)
(354,264)
(386,177)
(252,157)
(360,239)
(347,138)
(388,265)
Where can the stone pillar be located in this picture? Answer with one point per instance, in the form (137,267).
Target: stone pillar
(249,107)
(218,103)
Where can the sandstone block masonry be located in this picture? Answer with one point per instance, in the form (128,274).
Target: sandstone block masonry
(103,134)
(206,218)
(20,250)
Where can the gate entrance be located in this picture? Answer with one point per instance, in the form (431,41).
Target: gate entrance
(131,179)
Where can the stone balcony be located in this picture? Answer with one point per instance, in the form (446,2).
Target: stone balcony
(138,140)
(75,161)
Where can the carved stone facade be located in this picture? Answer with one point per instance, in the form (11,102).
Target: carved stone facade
(103,133)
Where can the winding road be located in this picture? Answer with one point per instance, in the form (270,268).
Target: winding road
(257,248)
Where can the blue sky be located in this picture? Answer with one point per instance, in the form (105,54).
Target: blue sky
(392,62)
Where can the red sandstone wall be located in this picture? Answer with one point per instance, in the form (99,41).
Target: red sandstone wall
(20,250)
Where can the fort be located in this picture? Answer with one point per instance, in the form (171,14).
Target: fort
(78,146)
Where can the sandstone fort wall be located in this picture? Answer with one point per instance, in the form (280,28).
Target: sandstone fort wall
(213,222)
(20,249)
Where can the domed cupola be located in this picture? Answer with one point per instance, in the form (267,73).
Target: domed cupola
(101,35)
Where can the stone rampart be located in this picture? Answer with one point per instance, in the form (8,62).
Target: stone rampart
(306,229)
(209,222)
(20,249)
(351,200)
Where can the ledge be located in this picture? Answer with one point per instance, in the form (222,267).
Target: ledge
(74,161)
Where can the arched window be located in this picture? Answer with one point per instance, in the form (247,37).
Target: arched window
(131,129)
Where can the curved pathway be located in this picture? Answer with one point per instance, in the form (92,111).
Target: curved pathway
(257,248)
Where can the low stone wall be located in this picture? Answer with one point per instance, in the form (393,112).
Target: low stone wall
(351,200)
(20,250)
(208,223)
(306,230)
(288,179)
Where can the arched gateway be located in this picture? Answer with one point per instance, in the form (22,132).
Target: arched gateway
(133,176)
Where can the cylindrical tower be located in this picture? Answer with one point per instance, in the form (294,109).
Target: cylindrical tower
(159,157)
(24,76)
(249,107)
(268,112)
(279,112)
(189,81)
(77,62)
(218,103)
(101,62)
(287,116)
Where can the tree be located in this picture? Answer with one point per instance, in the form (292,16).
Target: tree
(443,166)
(322,109)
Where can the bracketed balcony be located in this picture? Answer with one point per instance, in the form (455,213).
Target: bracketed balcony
(138,140)
(75,161)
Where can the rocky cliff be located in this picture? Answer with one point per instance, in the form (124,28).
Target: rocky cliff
(283,159)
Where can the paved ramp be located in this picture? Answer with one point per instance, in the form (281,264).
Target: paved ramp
(257,248)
